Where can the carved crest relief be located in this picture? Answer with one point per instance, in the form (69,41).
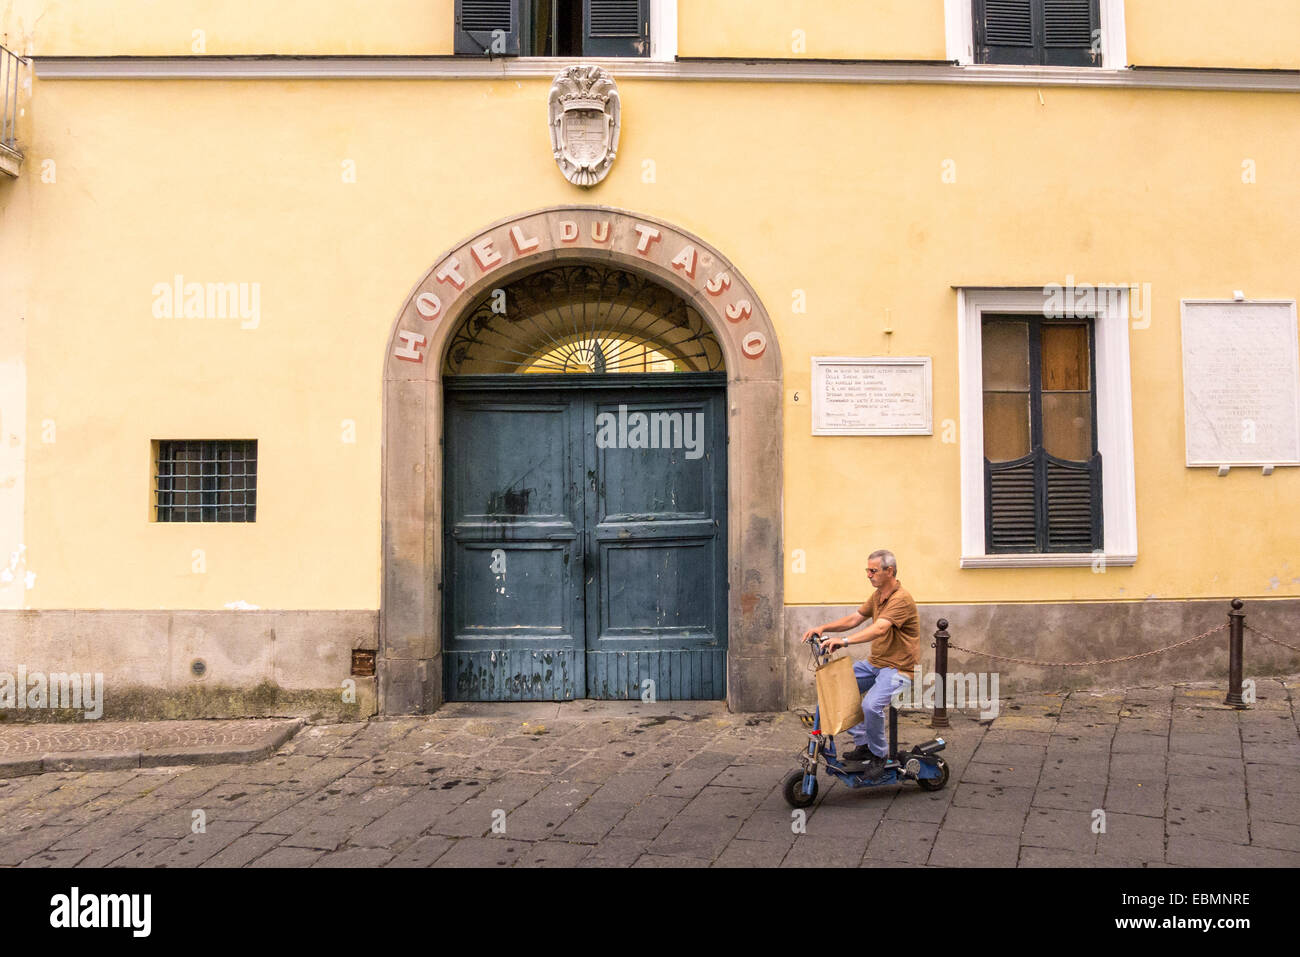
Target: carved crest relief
(585,116)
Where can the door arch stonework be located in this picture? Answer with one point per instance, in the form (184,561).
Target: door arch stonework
(410,662)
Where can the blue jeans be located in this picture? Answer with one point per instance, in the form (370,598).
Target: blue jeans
(879,685)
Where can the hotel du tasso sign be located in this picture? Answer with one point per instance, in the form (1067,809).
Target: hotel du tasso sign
(593,232)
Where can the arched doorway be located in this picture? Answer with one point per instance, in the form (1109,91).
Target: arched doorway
(594,289)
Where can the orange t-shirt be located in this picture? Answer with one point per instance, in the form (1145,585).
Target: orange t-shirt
(900,647)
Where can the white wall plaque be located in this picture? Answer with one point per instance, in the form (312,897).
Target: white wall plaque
(1241,383)
(871,395)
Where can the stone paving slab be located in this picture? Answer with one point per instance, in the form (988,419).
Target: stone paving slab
(119,745)
(1144,777)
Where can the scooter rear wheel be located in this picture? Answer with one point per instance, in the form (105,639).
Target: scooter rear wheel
(793,790)
(935,784)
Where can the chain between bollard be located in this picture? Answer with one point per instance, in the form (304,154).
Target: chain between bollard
(1267,637)
(1103,661)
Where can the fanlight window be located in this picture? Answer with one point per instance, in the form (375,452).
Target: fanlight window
(583,318)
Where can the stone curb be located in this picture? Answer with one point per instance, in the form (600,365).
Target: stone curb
(201,754)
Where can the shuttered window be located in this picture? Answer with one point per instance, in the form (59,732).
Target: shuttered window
(488,27)
(597,28)
(1043,32)
(1042,470)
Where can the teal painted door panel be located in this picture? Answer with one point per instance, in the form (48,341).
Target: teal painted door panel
(656,539)
(584,555)
(513,623)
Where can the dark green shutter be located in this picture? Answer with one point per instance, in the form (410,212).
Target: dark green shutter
(479,22)
(616,28)
(1041,504)
(1046,32)
(1004,31)
(1068,27)
(1073,505)
(1011,510)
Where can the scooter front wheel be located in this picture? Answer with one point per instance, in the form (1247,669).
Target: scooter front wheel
(793,790)
(935,784)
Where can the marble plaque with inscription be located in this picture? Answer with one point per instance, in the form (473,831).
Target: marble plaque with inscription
(1241,383)
(871,395)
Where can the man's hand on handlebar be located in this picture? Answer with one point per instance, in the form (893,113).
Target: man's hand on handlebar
(827,644)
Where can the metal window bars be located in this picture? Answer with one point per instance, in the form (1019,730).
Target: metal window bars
(206,481)
(10,64)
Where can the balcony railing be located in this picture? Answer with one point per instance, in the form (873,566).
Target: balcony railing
(10,67)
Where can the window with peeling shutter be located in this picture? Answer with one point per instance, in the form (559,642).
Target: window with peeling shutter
(592,28)
(480,23)
(616,28)
(1042,32)
(1042,470)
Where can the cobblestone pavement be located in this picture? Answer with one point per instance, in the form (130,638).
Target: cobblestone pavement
(1180,779)
(34,739)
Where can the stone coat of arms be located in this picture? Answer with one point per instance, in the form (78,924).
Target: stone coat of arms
(585,116)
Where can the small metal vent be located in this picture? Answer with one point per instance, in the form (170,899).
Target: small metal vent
(363,663)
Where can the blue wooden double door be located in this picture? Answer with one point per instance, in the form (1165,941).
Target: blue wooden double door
(585,537)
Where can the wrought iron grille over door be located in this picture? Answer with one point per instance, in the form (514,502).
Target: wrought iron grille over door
(583,319)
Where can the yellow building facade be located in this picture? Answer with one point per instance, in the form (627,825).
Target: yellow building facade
(227,214)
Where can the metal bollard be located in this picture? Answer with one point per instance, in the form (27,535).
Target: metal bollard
(940,717)
(1236,621)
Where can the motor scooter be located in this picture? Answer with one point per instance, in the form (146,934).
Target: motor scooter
(921,764)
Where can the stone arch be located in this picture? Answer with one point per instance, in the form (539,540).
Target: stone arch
(410,664)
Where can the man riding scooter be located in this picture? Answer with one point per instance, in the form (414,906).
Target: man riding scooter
(895,638)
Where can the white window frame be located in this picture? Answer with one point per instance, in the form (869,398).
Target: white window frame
(663,30)
(959,26)
(1114,427)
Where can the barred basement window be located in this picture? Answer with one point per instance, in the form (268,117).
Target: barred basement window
(205,481)
(1042,470)
(1042,32)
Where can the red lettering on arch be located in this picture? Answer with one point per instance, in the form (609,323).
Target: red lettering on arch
(523,244)
(648,235)
(450,273)
(485,255)
(428,305)
(685,261)
(410,347)
(739,311)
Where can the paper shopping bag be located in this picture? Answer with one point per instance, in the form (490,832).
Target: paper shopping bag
(838,698)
